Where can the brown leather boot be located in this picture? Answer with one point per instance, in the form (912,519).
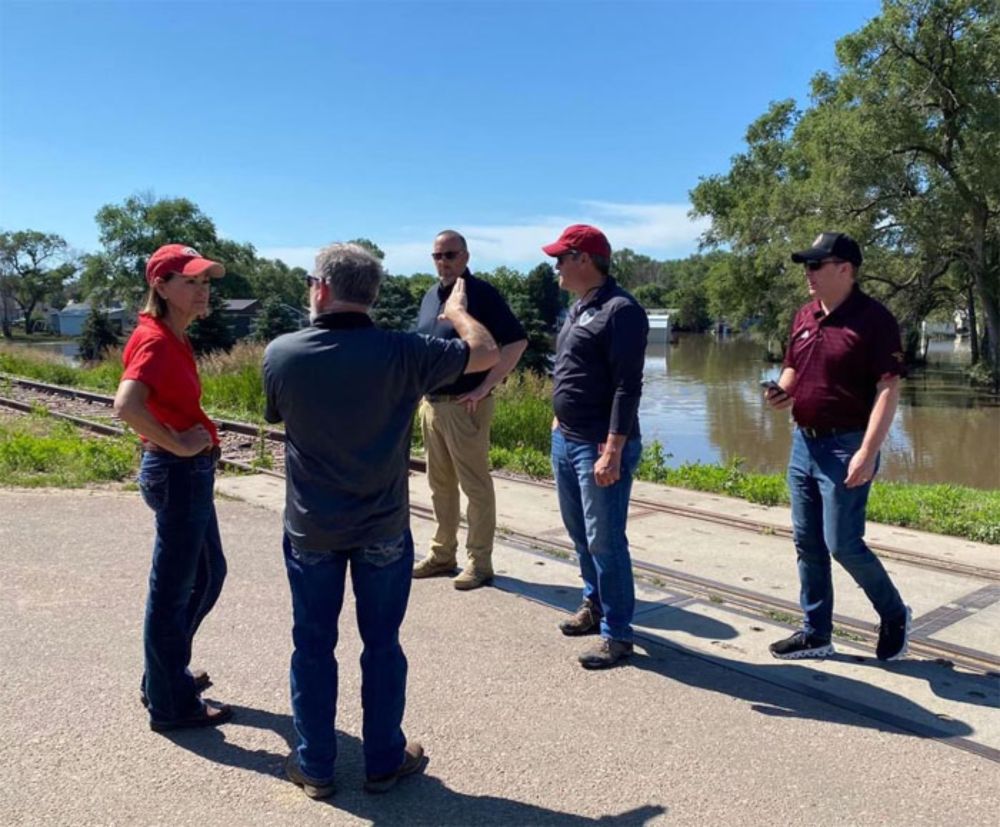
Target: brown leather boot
(586,621)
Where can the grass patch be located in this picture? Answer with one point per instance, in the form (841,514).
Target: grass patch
(38,451)
(955,510)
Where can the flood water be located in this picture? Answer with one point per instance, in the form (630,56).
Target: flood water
(702,401)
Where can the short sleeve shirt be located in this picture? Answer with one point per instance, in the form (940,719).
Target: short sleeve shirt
(346,392)
(486,306)
(165,364)
(839,358)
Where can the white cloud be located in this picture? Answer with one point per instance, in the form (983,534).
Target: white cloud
(658,230)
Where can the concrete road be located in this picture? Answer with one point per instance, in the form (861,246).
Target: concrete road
(516,732)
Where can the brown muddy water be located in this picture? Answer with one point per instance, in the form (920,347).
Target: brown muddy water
(702,401)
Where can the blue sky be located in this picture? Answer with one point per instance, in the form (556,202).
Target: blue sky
(295,124)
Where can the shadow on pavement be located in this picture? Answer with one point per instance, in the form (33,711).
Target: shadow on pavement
(419,800)
(941,677)
(648,613)
(807,693)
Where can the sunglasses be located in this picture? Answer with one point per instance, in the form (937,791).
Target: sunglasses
(311,280)
(813,266)
(571,254)
(448,255)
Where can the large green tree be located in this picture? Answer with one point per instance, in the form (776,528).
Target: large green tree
(34,266)
(131,231)
(901,148)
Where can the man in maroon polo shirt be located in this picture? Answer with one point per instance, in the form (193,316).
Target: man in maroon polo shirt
(841,379)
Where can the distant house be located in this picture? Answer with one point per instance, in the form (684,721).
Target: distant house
(70,320)
(239,315)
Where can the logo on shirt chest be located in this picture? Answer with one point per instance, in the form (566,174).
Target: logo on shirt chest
(586,317)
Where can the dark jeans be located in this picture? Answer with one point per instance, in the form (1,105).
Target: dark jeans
(186,577)
(380,576)
(595,518)
(829,519)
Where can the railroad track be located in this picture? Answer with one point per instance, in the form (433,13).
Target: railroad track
(885,551)
(736,597)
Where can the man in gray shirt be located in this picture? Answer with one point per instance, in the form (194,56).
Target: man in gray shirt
(346,392)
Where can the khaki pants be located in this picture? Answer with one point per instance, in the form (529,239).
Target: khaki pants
(458,448)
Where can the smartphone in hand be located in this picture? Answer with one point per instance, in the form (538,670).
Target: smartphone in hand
(773,389)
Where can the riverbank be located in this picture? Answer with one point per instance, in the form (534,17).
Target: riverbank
(233,389)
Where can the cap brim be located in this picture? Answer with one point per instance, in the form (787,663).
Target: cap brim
(811,254)
(556,248)
(201,266)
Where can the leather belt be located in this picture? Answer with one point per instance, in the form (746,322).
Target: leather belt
(443,397)
(820,433)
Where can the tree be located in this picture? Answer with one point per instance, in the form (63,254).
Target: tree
(130,232)
(900,149)
(33,267)
(396,307)
(923,81)
(272,278)
(370,246)
(97,336)
(274,319)
(212,333)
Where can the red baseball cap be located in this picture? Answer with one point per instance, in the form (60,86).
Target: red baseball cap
(179,258)
(580,237)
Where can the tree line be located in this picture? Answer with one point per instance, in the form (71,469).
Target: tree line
(39,269)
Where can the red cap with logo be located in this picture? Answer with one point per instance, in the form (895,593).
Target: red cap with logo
(179,258)
(580,237)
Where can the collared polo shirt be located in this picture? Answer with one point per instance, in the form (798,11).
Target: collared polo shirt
(839,358)
(486,306)
(346,391)
(165,364)
(597,376)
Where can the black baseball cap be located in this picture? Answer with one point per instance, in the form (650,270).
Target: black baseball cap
(831,245)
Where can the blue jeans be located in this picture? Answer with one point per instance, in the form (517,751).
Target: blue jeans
(829,519)
(380,575)
(186,577)
(595,518)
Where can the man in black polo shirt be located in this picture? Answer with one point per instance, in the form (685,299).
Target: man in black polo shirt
(455,420)
(841,378)
(597,382)
(346,392)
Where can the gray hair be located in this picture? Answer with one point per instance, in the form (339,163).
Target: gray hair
(352,272)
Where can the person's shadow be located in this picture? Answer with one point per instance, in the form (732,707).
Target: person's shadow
(646,612)
(792,690)
(418,800)
(944,681)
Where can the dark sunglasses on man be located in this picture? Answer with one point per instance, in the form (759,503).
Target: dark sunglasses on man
(448,255)
(813,266)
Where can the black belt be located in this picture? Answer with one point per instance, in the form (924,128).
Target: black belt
(444,397)
(820,433)
(213,451)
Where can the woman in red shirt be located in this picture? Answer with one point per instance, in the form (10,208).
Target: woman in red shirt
(160,398)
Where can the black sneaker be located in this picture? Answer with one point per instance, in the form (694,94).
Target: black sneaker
(585,621)
(801,645)
(894,638)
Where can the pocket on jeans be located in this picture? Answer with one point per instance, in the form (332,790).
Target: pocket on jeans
(154,485)
(386,552)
